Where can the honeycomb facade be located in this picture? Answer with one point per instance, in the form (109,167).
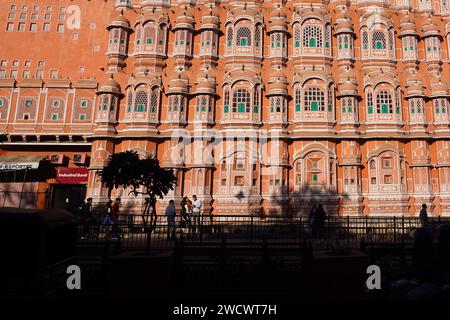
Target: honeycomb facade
(259,106)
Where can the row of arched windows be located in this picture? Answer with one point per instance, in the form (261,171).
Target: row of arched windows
(310,37)
(243,102)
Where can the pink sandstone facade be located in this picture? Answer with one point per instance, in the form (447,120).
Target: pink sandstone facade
(259,106)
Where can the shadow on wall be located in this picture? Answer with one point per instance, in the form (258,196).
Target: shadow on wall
(300,202)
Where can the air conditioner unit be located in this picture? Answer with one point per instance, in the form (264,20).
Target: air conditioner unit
(79,158)
(57,158)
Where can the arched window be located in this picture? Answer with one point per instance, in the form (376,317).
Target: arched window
(141,102)
(327,36)
(297,34)
(241,101)
(312,36)
(257,36)
(243,37)
(369,103)
(105,102)
(378,40)
(330,98)
(129,101)
(154,101)
(314,99)
(391,39)
(230,36)
(226,101)
(384,102)
(419,106)
(256,100)
(298,99)
(365,40)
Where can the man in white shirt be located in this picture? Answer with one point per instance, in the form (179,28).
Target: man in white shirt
(196,213)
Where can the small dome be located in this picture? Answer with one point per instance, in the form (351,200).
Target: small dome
(347,83)
(110,85)
(119,21)
(178,84)
(407,26)
(439,88)
(277,73)
(278,85)
(429,28)
(344,26)
(278,13)
(210,18)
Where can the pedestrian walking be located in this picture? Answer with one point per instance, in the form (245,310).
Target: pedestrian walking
(196,213)
(171,213)
(423,216)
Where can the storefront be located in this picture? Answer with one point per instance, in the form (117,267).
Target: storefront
(68,189)
(23,181)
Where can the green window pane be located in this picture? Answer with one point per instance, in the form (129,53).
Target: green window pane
(350,110)
(370,110)
(278,45)
(105,107)
(437,110)
(343,109)
(225,109)
(297,44)
(243,42)
(346,46)
(272,45)
(229,43)
(315,177)
(82,117)
(379,45)
(340,46)
(203,108)
(149,40)
(297,107)
(397,110)
(384,108)
(419,110)
(312,42)
(443,110)
(140,108)
(413,111)
(314,106)
(271,109)
(365,46)
(255,109)
(241,107)
(327,45)
(330,108)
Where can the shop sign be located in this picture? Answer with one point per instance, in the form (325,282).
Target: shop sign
(72,175)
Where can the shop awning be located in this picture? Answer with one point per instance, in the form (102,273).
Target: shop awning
(19,162)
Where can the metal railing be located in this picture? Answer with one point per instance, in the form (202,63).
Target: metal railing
(253,230)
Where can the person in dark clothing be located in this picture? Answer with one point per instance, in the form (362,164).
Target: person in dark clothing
(312,220)
(423,216)
(170,213)
(87,218)
(115,212)
(320,219)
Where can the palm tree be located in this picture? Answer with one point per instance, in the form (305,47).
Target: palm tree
(144,177)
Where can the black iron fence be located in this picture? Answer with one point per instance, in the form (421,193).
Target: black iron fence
(134,232)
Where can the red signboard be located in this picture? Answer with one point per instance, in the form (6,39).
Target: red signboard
(72,175)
